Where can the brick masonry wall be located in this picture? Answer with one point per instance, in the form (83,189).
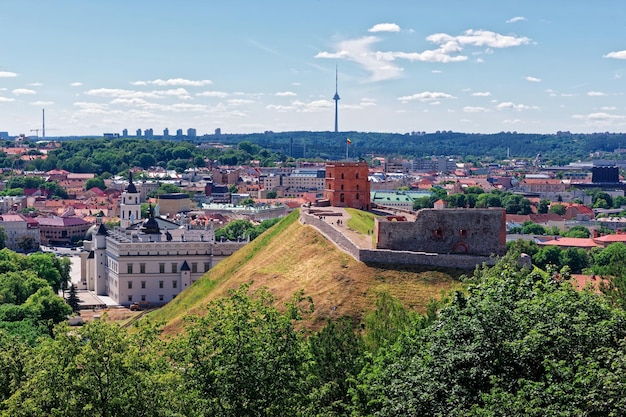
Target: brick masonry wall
(382,256)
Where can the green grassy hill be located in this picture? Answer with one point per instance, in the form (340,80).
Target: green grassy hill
(290,257)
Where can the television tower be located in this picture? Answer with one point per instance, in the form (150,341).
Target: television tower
(336,98)
(43,124)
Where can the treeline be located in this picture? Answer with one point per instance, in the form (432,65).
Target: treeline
(114,156)
(517,342)
(106,157)
(555,149)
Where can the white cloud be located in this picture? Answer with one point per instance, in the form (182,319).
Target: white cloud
(479,38)
(239,102)
(513,106)
(596,94)
(7,74)
(384,27)
(23,91)
(89,105)
(181,93)
(34,84)
(6,99)
(286,94)
(516,19)
(482,94)
(174,82)
(511,121)
(616,55)
(219,94)
(532,79)
(599,117)
(607,108)
(42,103)
(436,71)
(382,66)
(470,109)
(76,84)
(303,107)
(425,96)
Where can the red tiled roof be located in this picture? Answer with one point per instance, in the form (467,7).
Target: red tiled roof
(570,242)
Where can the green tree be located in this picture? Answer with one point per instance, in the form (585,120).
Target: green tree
(518,343)
(337,358)
(27,243)
(578,231)
(530,228)
(243,358)
(98,367)
(557,209)
(95,183)
(548,255)
(271,194)
(544,206)
(72,299)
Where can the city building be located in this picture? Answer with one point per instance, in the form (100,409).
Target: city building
(16,227)
(191,132)
(62,230)
(152,260)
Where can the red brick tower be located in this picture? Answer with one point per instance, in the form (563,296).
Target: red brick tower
(347,185)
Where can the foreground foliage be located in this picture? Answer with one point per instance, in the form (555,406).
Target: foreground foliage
(518,342)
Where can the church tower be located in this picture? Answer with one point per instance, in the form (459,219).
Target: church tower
(130,206)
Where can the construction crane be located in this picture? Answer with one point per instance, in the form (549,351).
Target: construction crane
(36,132)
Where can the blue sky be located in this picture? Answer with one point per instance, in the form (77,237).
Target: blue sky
(251,66)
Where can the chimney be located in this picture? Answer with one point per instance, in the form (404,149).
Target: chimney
(595,234)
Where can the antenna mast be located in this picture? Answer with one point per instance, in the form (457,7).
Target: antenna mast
(336,98)
(43,124)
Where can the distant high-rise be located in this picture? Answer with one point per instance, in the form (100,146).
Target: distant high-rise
(218,131)
(138,133)
(191,132)
(166,132)
(125,133)
(149,133)
(179,133)
(336,98)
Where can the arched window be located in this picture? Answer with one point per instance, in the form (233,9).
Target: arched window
(341,198)
(342,175)
(357,196)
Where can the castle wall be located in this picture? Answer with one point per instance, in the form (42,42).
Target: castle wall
(447,231)
(399,257)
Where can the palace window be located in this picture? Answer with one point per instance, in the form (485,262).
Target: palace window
(143,284)
(142,268)
(174,267)
(160,284)
(194,267)
(161,268)
(129,268)
(174,284)
(130,285)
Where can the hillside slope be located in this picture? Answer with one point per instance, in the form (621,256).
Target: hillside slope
(290,257)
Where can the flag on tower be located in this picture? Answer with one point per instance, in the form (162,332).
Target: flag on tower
(349,141)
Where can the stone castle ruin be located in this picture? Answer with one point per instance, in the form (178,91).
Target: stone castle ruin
(480,232)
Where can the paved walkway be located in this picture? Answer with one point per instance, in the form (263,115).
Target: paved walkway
(338,218)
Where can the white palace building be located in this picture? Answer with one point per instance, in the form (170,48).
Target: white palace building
(152,260)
